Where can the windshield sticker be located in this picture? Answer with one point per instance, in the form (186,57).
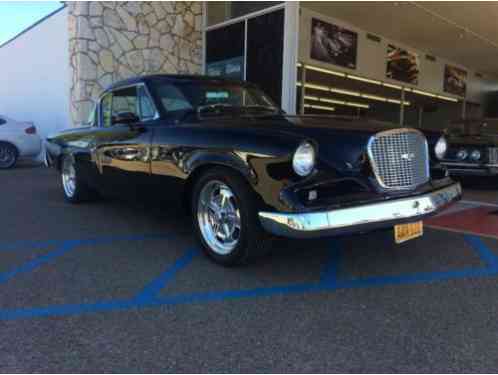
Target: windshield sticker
(217,95)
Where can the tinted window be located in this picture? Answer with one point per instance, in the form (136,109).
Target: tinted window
(176,99)
(125,100)
(2,121)
(106,108)
(92,117)
(146,107)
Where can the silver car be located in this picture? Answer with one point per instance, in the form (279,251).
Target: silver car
(17,140)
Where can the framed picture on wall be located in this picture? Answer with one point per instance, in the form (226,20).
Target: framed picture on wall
(455,80)
(402,65)
(333,44)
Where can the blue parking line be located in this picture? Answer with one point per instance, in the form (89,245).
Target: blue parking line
(155,286)
(35,245)
(331,268)
(37,262)
(328,283)
(486,255)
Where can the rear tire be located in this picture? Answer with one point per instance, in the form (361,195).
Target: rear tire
(74,189)
(8,155)
(225,216)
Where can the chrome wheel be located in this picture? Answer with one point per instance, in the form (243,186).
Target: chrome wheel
(7,156)
(68,177)
(219,217)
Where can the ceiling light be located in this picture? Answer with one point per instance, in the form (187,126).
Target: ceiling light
(339,102)
(316,87)
(311,97)
(357,78)
(322,107)
(326,71)
(374,97)
(447,98)
(424,93)
(345,92)
(392,86)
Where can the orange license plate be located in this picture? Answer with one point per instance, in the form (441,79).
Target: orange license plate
(406,232)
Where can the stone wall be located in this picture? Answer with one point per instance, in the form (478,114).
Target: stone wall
(110,41)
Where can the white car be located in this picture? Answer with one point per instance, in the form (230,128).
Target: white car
(17,140)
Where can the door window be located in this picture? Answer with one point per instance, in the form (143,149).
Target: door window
(125,100)
(106,109)
(133,99)
(2,121)
(146,107)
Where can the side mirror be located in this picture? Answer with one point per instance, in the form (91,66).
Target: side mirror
(126,118)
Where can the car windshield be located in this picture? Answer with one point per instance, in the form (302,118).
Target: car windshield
(207,99)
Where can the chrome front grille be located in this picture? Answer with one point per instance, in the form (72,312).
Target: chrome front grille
(493,155)
(399,158)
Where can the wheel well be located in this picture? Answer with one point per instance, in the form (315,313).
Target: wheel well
(192,178)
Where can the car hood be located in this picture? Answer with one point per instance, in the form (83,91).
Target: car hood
(341,142)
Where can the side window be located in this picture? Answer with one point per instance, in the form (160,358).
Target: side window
(173,99)
(92,117)
(146,106)
(106,110)
(2,121)
(125,100)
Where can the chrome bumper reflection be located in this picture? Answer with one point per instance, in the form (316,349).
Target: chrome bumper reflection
(361,218)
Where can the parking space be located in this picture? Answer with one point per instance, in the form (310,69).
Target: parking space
(113,286)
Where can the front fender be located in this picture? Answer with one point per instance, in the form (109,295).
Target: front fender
(231,160)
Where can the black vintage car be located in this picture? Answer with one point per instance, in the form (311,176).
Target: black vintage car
(245,169)
(472,147)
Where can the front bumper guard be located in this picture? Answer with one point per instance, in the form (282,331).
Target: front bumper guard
(359,218)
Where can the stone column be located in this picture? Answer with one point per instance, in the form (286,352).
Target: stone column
(110,41)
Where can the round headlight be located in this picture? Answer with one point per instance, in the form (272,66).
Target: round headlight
(441,148)
(475,155)
(462,154)
(304,159)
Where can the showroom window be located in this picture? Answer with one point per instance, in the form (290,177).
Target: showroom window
(221,11)
(333,92)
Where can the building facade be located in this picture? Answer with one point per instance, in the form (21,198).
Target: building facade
(310,57)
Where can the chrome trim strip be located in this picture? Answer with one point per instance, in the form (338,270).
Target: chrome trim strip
(316,224)
(452,164)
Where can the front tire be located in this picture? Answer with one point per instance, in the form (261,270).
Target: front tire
(225,216)
(74,189)
(8,155)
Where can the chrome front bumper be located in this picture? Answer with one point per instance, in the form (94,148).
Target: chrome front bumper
(359,218)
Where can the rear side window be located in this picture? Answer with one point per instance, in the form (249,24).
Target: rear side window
(2,121)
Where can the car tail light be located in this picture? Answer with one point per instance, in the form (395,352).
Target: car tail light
(30,130)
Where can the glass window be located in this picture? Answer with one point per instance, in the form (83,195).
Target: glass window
(92,117)
(220,11)
(125,100)
(147,109)
(106,109)
(2,121)
(179,99)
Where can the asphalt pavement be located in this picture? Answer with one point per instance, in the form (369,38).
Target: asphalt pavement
(116,286)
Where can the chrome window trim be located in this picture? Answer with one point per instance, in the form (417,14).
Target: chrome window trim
(384,133)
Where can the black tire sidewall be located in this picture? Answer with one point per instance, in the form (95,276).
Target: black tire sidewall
(16,154)
(247,213)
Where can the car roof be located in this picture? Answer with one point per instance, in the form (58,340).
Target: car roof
(176,78)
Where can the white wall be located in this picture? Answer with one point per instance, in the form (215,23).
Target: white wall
(34,75)
(372,59)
